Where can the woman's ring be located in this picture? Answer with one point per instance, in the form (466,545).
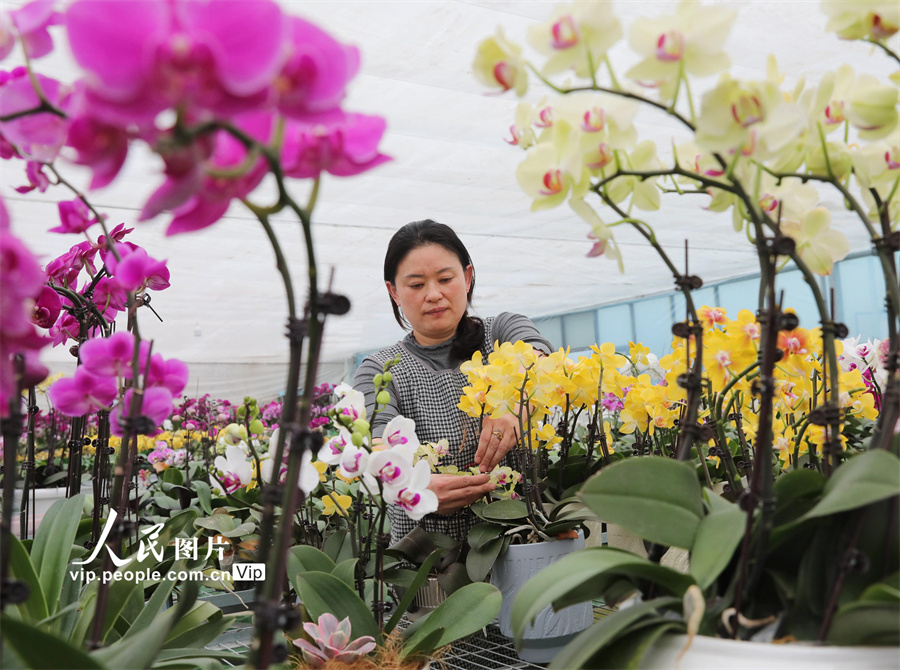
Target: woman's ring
(498,434)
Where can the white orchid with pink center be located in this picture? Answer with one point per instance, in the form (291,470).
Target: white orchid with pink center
(414,497)
(351,402)
(332,640)
(233,470)
(331,451)
(353,461)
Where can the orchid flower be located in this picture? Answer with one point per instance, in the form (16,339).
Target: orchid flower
(36,136)
(112,356)
(499,64)
(351,403)
(331,451)
(233,469)
(413,496)
(331,640)
(82,393)
(392,467)
(553,168)
(156,405)
(353,461)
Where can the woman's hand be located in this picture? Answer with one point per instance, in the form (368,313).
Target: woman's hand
(498,436)
(457,491)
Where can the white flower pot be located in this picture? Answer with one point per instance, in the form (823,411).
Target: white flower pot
(551,630)
(43,499)
(712,653)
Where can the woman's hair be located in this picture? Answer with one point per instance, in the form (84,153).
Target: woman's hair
(470,331)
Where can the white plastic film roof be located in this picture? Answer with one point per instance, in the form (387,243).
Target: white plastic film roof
(225,311)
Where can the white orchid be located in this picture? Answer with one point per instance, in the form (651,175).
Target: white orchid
(351,403)
(331,451)
(233,470)
(353,461)
(414,497)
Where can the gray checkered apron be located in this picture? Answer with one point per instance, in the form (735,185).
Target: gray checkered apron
(429,398)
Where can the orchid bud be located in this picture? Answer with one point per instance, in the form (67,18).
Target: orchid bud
(387,377)
(257,427)
(361,426)
(356,439)
(378,380)
(383,398)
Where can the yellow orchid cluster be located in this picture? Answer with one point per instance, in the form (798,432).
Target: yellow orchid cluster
(640,394)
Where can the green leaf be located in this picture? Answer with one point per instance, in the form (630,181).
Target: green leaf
(482,533)
(795,494)
(173,476)
(39,649)
(204,495)
(866,623)
(480,561)
(657,498)
(220,523)
(337,546)
(628,651)
(862,480)
(346,571)
(155,604)
(589,642)
(419,579)
(468,610)
(51,555)
(35,606)
(304,558)
(505,510)
(321,593)
(571,576)
(718,535)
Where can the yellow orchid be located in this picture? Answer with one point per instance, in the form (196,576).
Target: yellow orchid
(553,168)
(340,507)
(499,64)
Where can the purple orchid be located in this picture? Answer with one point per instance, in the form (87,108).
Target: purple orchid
(32,22)
(171,374)
(100,146)
(342,144)
(46,308)
(136,270)
(75,217)
(82,393)
(109,298)
(34,171)
(112,356)
(156,405)
(64,270)
(37,136)
(66,328)
(317,71)
(144,57)
(331,640)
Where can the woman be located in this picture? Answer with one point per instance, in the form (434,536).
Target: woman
(430,279)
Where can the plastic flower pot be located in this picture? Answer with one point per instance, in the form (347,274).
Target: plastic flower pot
(43,499)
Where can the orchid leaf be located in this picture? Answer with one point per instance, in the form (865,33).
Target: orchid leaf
(35,606)
(482,533)
(718,535)
(52,547)
(657,498)
(505,510)
(39,649)
(580,651)
(479,561)
(866,623)
(862,480)
(323,593)
(468,610)
(417,582)
(346,571)
(573,578)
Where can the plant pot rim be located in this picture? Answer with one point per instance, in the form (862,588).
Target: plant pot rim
(798,649)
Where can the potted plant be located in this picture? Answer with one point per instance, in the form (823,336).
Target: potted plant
(801,546)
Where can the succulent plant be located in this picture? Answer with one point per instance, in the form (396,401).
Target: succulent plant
(331,640)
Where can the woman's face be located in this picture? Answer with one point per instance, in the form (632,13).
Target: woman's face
(431,288)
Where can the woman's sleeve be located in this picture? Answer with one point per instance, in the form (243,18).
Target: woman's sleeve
(509,327)
(362,382)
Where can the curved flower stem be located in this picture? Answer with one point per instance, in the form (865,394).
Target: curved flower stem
(743,373)
(884,47)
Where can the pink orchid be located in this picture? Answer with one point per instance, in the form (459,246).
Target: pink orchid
(112,356)
(144,57)
(100,146)
(46,308)
(117,235)
(7,150)
(317,71)
(82,393)
(156,405)
(136,270)
(342,144)
(37,136)
(66,328)
(75,217)
(109,297)
(64,270)
(184,174)
(171,374)
(4,217)
(211,201)
(32,22)
(36,178)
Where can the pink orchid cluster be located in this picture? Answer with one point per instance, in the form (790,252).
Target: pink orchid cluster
(272,78)
(99,381)
(22,282)
(135,271)
(203,414)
